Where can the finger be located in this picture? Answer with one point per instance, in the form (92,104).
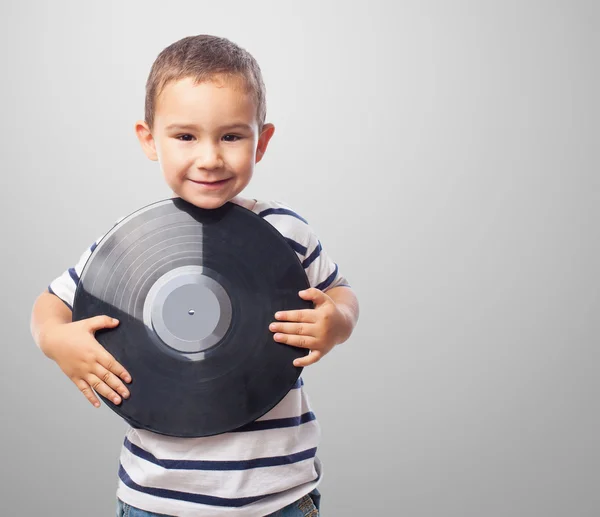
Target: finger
(298,329)
(303,316)
(298,341)
(112,365)
(315,295)
(85,388)
(102,388)
(101,322)
(111,380)
(312,358)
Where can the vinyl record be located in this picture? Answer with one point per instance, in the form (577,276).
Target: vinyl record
(195,291)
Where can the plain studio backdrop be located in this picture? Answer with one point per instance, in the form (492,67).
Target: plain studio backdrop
(446,153)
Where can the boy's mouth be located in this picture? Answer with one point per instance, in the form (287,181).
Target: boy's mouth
(211,184)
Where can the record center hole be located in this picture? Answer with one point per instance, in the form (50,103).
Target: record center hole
(191,312)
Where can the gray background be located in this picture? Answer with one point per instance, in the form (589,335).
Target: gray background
(447,155)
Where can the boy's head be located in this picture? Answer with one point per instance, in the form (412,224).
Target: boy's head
(205,118)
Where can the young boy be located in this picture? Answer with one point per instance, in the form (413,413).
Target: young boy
(205,125)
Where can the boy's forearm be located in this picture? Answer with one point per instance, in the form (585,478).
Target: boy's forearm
(48,309)
(347,303)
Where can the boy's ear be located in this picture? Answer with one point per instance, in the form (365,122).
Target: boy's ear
(263,141)
(146,139)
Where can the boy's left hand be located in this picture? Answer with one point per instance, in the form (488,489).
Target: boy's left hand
(318,329)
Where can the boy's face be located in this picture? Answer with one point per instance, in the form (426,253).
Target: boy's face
(206,139)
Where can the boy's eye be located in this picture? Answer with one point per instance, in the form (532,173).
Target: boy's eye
(232,138)
(184,138)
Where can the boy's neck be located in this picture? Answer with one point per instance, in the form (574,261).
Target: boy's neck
(238,200)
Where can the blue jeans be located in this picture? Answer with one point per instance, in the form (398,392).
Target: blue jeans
(307,506)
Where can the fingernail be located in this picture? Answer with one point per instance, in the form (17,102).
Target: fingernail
(115,320)
(278,315)
(127,379)
(272,326)
(116,400)
(97,404)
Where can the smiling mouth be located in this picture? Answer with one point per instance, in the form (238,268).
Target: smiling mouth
(215,183)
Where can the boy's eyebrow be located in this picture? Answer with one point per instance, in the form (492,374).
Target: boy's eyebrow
(237,125)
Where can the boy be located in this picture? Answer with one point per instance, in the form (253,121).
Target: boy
(205,125)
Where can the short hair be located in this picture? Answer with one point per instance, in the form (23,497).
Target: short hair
(204,57)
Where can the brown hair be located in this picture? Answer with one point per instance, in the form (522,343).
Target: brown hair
(203,57)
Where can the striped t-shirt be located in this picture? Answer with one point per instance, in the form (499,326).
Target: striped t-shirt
(252,471)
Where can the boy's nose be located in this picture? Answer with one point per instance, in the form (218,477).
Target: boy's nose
(209,157)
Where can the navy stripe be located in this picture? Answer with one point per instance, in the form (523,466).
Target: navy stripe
(52,292)
(296,246)
(276,423)
(281,211)
(273,461)
(93,247)
(298,384)
(74,275)
(327,282)
(310,259)
(186,496)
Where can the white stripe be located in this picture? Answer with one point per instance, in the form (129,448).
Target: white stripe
(294,404)
(320,269)
(229,446)
(64,288)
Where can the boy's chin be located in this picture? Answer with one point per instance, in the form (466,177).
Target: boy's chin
(205,203)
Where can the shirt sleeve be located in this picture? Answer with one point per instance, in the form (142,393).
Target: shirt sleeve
(65,285)
(322,272)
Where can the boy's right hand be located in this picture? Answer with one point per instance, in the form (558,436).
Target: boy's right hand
(84,360)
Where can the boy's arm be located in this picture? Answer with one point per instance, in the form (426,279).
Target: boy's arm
(48,309)
(347,303)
